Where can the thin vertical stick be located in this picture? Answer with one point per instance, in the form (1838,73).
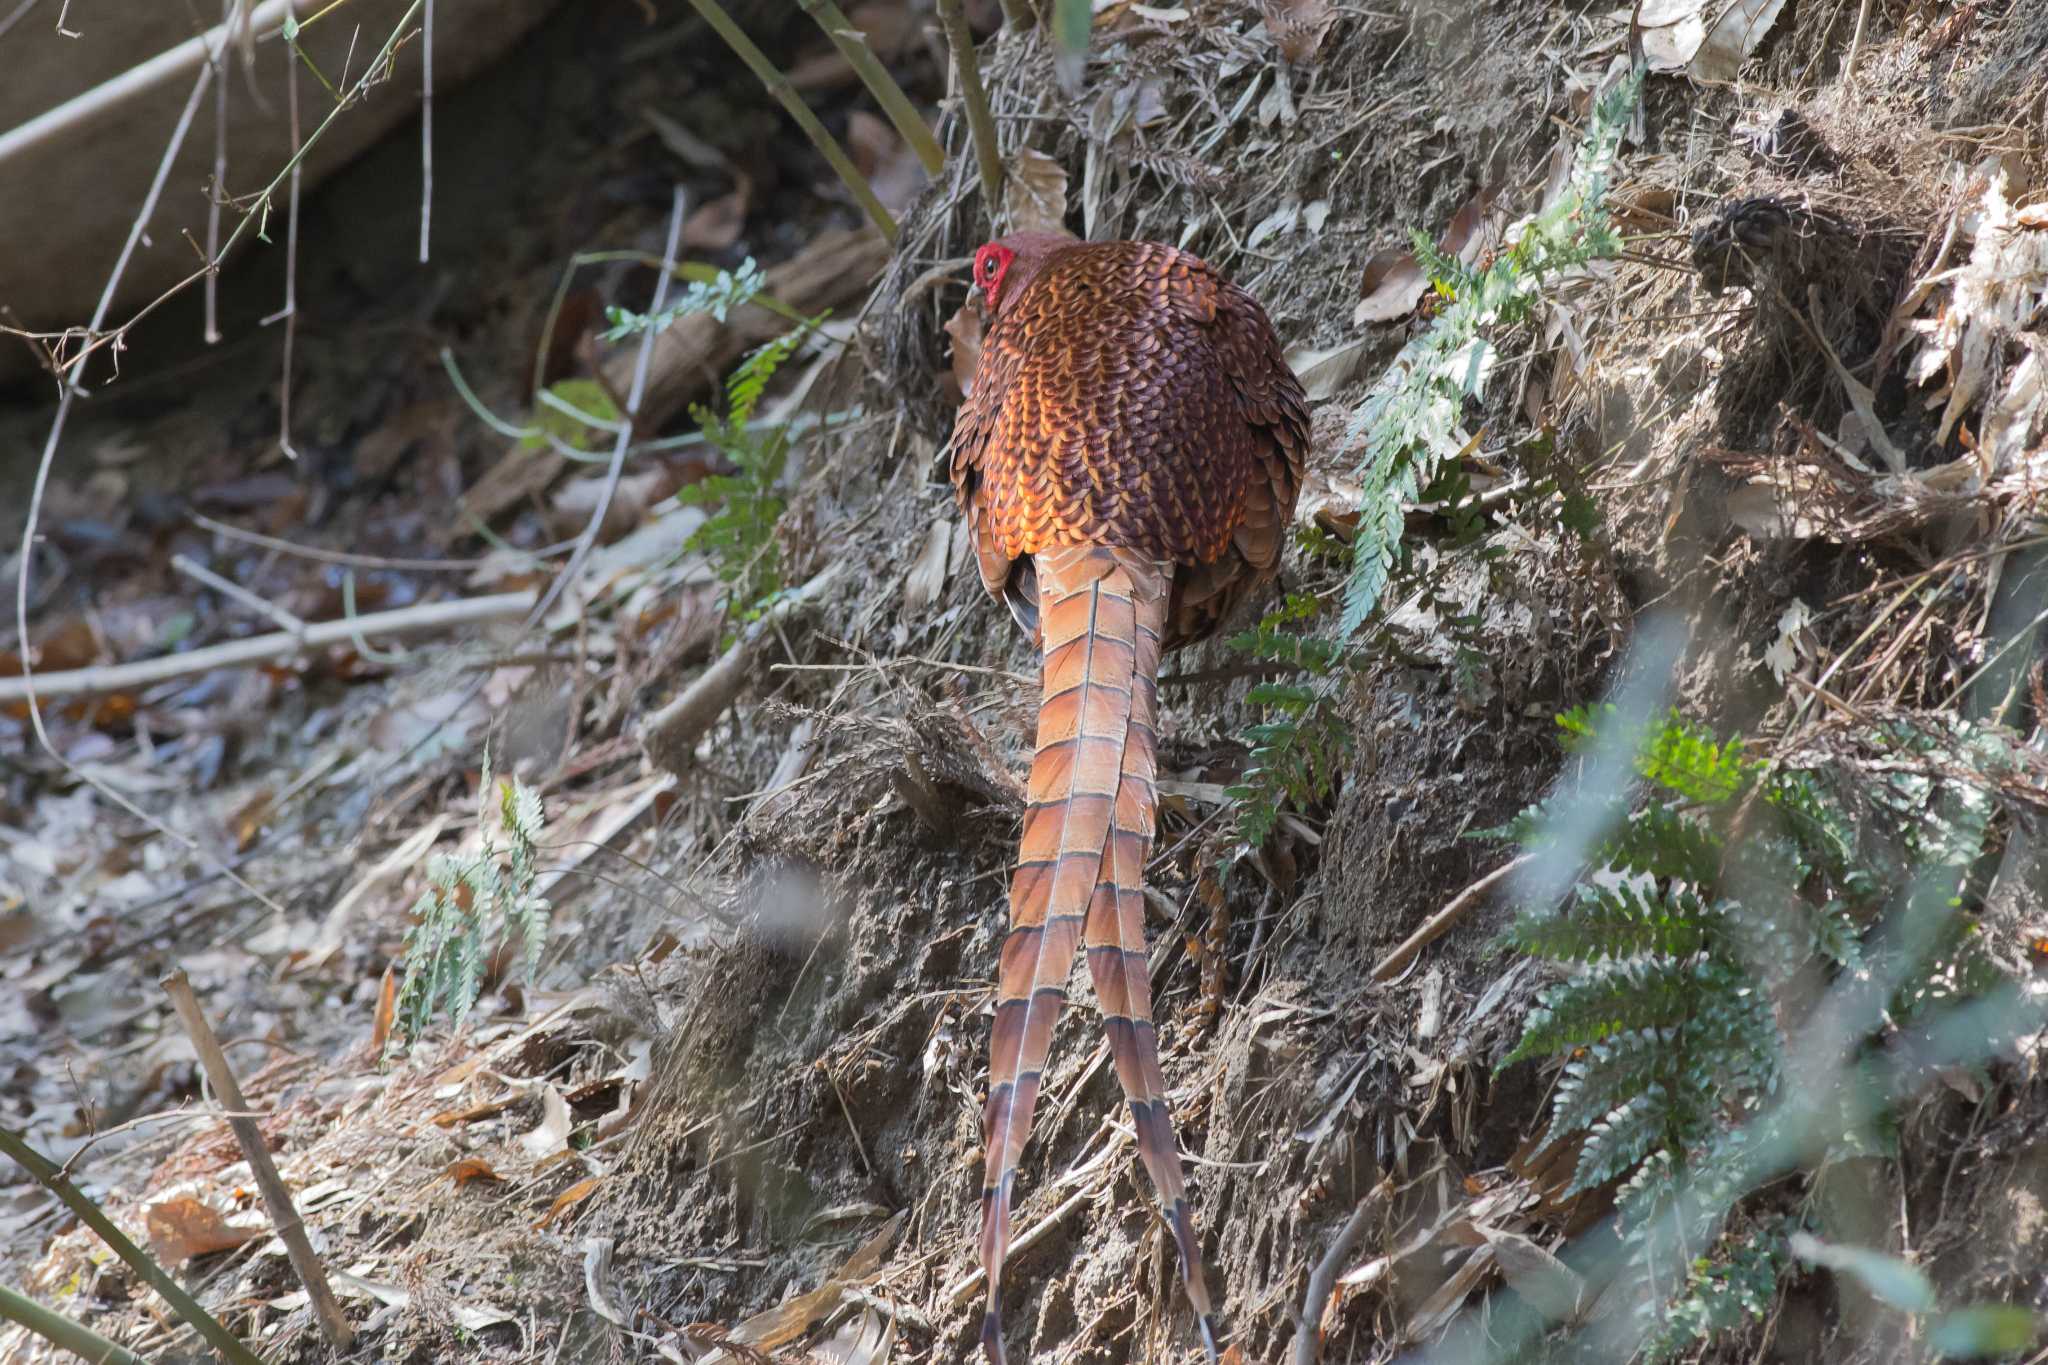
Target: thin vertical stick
(979,121)
(778,85)
(1856,42)
(291,261)
(284,1215)
(229,10)
(426,127)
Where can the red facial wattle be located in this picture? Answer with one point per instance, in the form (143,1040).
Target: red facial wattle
(991,263)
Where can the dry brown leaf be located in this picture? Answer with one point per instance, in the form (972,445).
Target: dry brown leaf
(247,822)
(448,1118)
(183,1227)
(885,26)
(719,222)
(1298,26)
(1548,1284)
(1733,37)
(551,1134)
(891,167)
(1035,197)
(1672,31)
(869,141)
(569,1199)
(921,586)
(386,1012)
(965,328)
(1393,285)
(1324,371)
(1473,230)
(469,1168)
(793,1317)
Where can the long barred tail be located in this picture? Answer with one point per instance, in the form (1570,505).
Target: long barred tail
(1115,938)
(1087,829)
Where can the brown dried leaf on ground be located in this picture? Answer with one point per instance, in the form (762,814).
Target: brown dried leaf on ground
(183,1227)
(1035,197)
(965,328)
(1735,35)
(1394,281)
(1298,26)
(891,167)
(718,224)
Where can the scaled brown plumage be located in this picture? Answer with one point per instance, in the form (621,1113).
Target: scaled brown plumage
(1127,460)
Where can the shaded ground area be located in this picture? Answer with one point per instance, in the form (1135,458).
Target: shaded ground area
(739,1102)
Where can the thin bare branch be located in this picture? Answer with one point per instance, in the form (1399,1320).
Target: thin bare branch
(1432,928)
(425,617)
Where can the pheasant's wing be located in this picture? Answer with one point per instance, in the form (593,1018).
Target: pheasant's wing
(1268,402)
(974,428)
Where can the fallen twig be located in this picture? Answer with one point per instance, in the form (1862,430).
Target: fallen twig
(1308,1337)
(671,734)
(284,1215)
(145,1267)
(1432,928)
(963,1289)
(235,592)
(429,616)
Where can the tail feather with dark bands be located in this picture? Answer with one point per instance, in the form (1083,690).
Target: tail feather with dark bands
(1087,831)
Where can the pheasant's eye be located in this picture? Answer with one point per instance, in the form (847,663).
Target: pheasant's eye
(988,266)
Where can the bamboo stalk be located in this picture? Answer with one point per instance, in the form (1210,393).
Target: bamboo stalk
(853,46)
(284,1215)
(776,84)
(183,1304)
(62,1332)
(979,121)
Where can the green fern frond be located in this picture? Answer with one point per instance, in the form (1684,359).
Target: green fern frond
(1616,921)
(470,903)
(1623,1137)
(1608,998)
(1406,428)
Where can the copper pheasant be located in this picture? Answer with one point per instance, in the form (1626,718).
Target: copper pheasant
(1127,460)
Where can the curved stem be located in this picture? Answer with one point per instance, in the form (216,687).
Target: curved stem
(778,85)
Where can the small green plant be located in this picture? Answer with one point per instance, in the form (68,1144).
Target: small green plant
(717,295)
(1408,426)
(472,902)
(1296,748)
(1699,939)
(1691,913)
(1407,431)
(574,411)
(1728,1286)
(738,533)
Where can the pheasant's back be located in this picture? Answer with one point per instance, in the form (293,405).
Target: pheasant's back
(1120,419)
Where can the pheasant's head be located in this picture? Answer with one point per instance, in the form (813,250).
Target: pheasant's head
(1003,268)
